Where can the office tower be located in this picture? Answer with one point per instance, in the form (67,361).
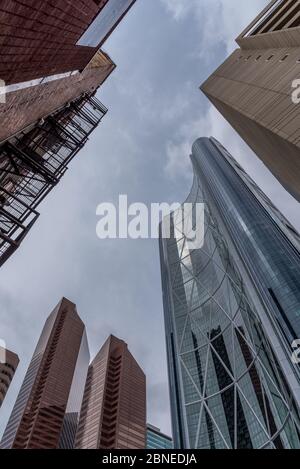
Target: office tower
(231,313)
(33,162)
(253,90)
(48,38)
(113,412)
(25,105)
(46,411)
(156,439)
(8,364)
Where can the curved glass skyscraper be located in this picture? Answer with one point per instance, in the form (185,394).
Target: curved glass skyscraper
(232,310)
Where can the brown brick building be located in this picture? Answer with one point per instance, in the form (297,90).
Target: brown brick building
(49,55)
(51,66)
(253,90)
(113,412)
(39,38)
(53,386)
(8,364)
(27,106)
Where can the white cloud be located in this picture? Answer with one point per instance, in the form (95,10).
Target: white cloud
(220,21)
(153,101)
(211,123)
(179,8)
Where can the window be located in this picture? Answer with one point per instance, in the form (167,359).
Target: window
(104,22)
(284,58)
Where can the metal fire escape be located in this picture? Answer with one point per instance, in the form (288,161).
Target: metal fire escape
(33,162)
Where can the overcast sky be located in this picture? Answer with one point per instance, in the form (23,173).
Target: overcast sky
(164,50)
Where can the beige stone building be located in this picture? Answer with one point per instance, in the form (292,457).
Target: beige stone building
(253,89)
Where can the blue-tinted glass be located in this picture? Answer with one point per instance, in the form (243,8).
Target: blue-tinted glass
(231,311)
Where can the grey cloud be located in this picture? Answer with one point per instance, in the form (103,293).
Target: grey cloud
(141,149)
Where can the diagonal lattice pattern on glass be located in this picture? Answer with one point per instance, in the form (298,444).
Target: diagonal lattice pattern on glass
(230,387)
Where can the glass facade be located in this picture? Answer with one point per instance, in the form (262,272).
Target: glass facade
(231,311)
(259,231)
(157,440)
(106,20)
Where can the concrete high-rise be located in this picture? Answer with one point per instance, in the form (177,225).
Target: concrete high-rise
(253,90)
(232,313)
(8,364)
(113,412)
(46,412)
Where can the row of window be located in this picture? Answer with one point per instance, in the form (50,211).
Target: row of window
(268,59)
(8,365)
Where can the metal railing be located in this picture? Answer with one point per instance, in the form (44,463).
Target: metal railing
(33,162)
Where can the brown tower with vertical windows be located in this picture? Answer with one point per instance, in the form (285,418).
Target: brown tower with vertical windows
(113,413)
(53,387)
(8,365)
(253,89)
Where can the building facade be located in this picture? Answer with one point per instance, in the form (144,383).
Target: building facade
(47,38)
(156,439)
(25,106)
(51,66)
(113,412)
(46,411)
(232,313)
(253,90)
(8,364)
